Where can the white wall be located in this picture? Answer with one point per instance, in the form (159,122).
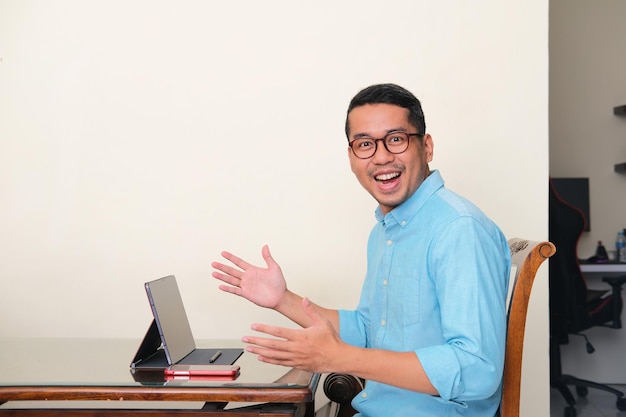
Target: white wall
(587,67)
(140,138)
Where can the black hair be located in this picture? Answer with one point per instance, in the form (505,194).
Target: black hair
(390,94)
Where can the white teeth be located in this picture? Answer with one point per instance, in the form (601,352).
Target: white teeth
(385,177)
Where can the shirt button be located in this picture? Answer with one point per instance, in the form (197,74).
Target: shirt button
(389,242)
(364,394)
(382,322)
(403,223)
(385,282)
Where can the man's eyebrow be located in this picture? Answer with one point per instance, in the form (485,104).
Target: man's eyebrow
(365,135)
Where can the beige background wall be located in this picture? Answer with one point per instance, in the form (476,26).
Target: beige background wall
(140,138)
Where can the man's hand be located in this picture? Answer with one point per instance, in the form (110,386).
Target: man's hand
(264,287)
(312,349)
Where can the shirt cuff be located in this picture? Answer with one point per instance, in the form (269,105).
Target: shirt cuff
(350,329)
(442,368)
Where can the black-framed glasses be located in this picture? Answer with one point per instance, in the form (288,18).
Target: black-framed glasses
(394,142)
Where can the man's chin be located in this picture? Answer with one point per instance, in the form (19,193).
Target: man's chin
(387,204)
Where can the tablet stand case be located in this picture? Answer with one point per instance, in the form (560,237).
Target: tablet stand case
(151,354)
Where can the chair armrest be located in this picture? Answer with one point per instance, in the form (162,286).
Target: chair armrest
(342,388)
(616,283)
(619,279)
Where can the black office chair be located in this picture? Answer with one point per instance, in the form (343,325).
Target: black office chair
(573,307)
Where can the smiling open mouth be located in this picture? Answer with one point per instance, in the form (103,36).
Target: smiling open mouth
(387,177)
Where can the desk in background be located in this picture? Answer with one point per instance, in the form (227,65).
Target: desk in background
(606,364)
(603,269)
(40,375)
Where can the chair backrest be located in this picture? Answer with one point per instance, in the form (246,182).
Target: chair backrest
(526,256)
(568,288)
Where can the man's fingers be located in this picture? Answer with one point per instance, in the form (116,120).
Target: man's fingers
(228,270)
(236,260)
(231,289)
(270,262)
(276,331)
(311,310)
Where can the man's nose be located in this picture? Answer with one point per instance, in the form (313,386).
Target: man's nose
(381,154)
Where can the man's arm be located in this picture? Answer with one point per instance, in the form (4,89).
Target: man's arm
(265,287)
(318,348)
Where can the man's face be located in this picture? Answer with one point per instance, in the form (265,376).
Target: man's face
(390,178)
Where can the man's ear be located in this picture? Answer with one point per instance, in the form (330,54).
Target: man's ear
(350,158)
(429,147)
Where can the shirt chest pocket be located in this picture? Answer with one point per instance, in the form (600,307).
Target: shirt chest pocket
(403,301)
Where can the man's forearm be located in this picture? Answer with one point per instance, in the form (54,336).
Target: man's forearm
(399,369)
(290,306)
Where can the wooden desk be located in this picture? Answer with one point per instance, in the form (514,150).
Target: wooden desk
(89,377)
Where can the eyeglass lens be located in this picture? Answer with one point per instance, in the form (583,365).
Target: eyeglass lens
(395,142)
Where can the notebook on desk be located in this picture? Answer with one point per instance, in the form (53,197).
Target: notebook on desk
(169,339)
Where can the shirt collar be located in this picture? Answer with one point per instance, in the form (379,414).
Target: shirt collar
(406,211)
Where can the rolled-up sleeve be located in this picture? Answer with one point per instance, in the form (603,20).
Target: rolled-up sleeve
(351,328)
(470,282)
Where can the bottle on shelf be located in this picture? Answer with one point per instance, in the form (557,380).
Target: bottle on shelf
(620,247)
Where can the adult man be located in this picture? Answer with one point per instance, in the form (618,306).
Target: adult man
(428,334)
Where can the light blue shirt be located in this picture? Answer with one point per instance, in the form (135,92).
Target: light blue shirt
(436,284)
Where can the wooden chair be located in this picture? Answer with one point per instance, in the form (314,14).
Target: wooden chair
(527,256)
